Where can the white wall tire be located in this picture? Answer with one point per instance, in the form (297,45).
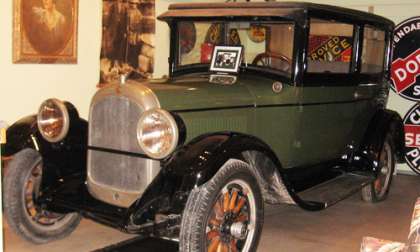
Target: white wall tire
(225,214)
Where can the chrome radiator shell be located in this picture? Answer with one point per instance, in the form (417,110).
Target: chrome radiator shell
(116,178)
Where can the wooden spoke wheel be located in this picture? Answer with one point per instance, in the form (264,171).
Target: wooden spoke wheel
(225,214)
(21,189)
(379,188)
(232,220)
(34,211)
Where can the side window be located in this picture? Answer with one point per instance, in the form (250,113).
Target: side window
(330,46)
(373,50)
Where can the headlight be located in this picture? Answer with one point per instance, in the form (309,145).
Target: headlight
(157,133)
(53,120)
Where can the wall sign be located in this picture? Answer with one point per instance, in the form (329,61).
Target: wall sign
(412,137)
(406,59)
(330,48)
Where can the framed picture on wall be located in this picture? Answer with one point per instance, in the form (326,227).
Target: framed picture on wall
(45,31)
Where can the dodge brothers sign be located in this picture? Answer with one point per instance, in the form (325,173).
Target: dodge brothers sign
(406,60)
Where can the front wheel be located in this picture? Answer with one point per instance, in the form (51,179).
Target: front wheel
(225,214)
(21,188)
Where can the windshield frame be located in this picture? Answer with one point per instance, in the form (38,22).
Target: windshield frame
(176,69)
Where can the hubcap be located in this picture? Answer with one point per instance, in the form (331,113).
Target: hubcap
(230,226)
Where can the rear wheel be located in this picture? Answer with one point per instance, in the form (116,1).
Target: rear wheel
(378,189)
(225,214)
(21,189)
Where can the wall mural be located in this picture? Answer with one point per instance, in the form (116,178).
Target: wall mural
(45,31)
(127,38)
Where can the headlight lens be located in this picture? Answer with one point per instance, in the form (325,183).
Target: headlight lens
(53,120)
(157,133)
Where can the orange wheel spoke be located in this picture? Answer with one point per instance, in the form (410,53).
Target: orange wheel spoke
(225,247)
(233,200)
(233,247)
(226,200)
(212,234)
(242,218)
(218,209)
(240,204)
(214,245)
(215,222)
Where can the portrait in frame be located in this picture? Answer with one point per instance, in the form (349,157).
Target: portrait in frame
(45,31)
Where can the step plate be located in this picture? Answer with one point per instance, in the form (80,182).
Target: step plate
(332,191)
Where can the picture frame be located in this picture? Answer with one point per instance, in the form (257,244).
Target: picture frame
(45,31)
(226,59)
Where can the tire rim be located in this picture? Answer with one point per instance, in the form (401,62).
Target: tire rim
(385,163)
(232,220)
(31,193)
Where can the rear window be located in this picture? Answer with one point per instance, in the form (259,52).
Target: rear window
(373,50)
(330,46)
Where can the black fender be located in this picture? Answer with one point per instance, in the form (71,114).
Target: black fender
(193,165)
(383,122)
(65,158)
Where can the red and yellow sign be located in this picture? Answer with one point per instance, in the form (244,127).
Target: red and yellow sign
(330,48)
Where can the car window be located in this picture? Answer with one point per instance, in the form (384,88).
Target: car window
(330,46)
(373,50)
(265,44)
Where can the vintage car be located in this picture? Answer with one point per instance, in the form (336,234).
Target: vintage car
(280,103)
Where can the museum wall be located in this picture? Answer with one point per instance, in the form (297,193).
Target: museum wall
(25,86)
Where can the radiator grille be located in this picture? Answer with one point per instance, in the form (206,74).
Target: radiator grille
(117,178)
(113,123)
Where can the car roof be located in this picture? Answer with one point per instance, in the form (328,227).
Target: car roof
(292,10)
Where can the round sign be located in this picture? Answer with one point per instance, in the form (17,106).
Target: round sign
(412,138)
(406,59)
(257,33)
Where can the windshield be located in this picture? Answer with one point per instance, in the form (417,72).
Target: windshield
(266,45)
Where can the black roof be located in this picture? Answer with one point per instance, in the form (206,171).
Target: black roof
(272,9)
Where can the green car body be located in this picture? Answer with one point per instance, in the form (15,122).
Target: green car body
(295,122)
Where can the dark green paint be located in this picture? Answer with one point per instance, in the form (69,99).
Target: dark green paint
(294,122)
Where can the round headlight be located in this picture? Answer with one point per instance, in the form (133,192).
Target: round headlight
(53,120)
(157,133)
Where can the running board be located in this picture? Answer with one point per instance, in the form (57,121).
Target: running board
(334,190)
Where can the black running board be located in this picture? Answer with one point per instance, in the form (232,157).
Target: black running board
(334,190)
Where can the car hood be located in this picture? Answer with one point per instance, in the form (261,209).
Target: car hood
(194,93)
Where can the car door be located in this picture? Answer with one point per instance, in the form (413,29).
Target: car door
(328,99)
(372,90)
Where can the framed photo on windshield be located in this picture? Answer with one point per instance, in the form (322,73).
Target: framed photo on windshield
(226,59)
